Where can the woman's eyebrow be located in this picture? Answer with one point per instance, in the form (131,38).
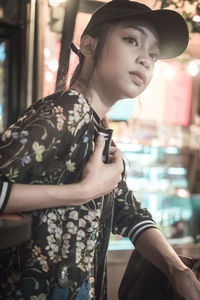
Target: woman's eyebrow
(138,28)
(135,27)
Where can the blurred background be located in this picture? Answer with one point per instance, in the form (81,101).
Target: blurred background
(158,133)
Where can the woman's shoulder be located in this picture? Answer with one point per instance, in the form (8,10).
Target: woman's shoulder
(72,109)
(67,101)
(67,98)
(62,101)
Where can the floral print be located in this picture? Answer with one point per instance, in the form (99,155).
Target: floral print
(50,144)
(60,117)
(70,165)
(79,115)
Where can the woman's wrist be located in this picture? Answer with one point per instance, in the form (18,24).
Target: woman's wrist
(85,193)
(175,267)
(176,270)
(66,195)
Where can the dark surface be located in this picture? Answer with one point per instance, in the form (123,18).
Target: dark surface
(14,230)
(143,280)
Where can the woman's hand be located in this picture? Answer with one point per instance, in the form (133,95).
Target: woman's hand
(155,248)
(185,284)
(99,178)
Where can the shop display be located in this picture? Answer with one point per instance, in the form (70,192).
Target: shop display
(159,181)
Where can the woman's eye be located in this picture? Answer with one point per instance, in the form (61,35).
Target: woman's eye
(131,40)
(154,56)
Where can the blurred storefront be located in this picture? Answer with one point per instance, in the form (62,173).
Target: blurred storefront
(13,27)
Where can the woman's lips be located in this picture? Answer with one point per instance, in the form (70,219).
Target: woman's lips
(138,78)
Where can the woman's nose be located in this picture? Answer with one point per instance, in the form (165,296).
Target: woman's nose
(143,60)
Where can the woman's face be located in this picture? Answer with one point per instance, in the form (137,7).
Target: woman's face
(127,61)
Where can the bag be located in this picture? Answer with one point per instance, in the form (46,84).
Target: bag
(144,281)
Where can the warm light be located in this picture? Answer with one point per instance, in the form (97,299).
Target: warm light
(172,141)
(47,52)
(183,193)
(169,72)
(56,2)
(49,76)
(196,18)
(156,73)
(193,68)
(145,94)
(155,142)
(53,65)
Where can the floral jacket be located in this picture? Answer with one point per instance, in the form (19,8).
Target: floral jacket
(50,144)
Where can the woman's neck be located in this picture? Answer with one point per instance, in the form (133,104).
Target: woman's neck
(96,99)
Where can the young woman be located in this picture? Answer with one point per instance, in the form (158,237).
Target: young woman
(58,164)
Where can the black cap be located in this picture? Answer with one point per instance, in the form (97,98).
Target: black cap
(169,24)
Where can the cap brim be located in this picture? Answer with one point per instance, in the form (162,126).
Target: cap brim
(170,26)
(172,30)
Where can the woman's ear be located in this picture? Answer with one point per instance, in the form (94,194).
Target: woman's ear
(88,45)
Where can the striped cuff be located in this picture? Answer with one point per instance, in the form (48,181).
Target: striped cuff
(139,228)
(5,189)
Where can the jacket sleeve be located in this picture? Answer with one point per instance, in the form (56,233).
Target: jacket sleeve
(41,142)
(5,189)
(130,219)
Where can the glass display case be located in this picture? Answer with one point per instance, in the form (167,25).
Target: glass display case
(3,82)
(159,181)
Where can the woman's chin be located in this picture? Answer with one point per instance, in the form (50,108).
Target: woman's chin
(133,93)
